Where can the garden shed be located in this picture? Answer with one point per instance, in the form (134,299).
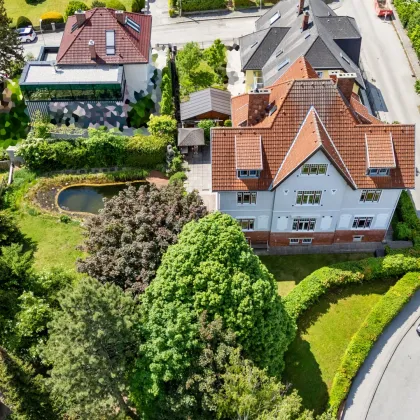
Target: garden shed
(190,138)
(206,104)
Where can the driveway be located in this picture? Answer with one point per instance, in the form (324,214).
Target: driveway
(198,170)
(387,386)
(387,70)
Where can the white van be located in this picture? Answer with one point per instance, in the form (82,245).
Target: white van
(26,34)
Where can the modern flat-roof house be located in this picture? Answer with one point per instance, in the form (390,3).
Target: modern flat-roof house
(294,28)
(305,163)
(102,64)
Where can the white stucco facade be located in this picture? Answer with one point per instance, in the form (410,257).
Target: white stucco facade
(339,204)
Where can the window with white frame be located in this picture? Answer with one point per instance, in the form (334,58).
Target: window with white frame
(306,241)
(358,238)
(300,241)
(362,222)
(303,224)
(314,169)
(308,198)
(294,241)
(248,173)
(378,171)
(371,196)
(320,74)
(247,198)
(246,224)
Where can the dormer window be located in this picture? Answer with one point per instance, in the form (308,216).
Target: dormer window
(378,171)
(252,173)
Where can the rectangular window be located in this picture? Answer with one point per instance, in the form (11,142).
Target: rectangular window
(371,196)
(300,241)
(247,198)
(304,224)
(248,174)
(306,241)
(314,169)
(362,222)
(133,25)
(378,171)
(358,238)
(320,74)
(110,42)
(246,224)
(308,197)
(293,241)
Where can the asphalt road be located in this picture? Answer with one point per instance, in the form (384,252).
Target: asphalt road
(387,70)
(387,386)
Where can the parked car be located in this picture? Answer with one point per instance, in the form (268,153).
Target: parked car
(26,34)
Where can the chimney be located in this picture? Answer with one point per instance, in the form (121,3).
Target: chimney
(258,102)
(80,17)
(119,14)
(333,75)
(92,49)
(345,82)
(305,21)
(300,6)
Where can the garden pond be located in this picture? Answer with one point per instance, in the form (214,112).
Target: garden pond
(89,198)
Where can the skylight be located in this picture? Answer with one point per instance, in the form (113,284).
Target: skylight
(254,44)
(283,64)
(307,36)
(74,27)
(279,53)
(272,110)
(275,17)
(133,25)
(345,58)
(110,42)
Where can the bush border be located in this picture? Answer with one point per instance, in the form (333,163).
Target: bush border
(385,310)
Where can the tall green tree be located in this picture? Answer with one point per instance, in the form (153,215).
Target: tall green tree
(215,55)
(127,239)
(9,232)
(11,50)
(91,348)
(189,57)
(212,269)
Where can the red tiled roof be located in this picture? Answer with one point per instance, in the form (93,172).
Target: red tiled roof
(380,150)
(130,46)
(310,138)
(362,111)
(248,152)
(347,132)
(300,69)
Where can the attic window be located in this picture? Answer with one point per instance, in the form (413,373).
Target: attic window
(110,42)
(254,44)
(272,110)
(307,36)
(279,53)
(283,64)
(133,25)
(275,17)
(74,27)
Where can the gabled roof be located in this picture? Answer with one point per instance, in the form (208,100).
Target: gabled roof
(310,138)
(361,111)
(130,46)
(204,101)
(317,43)
(248,153)
(340,130)
(191,137)
(380,150)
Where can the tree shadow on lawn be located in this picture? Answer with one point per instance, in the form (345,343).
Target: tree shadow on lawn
(302,369)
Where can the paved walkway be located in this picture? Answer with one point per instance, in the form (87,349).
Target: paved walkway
(387,386)
(199,176)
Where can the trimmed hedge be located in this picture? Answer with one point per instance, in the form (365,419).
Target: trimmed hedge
(310,289)
(364,339)
(405,223)
(52,17)
(198,5)
(167,101)
(23,22)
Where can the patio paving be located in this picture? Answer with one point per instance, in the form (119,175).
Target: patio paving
(236,83)
(198,170)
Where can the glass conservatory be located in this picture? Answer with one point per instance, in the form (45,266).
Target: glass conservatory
(41,81)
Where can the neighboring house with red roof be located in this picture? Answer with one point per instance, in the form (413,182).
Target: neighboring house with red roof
(104,57)
(305,163)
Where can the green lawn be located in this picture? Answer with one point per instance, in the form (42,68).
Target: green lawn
(54,242)
(16,8)
(289,270)
(324,333)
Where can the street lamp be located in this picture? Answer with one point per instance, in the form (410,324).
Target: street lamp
(40,27)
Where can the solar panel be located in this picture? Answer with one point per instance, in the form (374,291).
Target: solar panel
(110,42)
(133,25)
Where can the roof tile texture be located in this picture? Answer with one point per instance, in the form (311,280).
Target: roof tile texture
(380,150)
(130,45)
(248,152)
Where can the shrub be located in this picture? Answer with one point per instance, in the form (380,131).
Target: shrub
(146,151)
(65,219)
(73,7)
(196,5)
(162,125)
(177,177)
(52,17)
(206,125)
(364,339)
(23,22)
(228,123)
(115,4)
(405,223)
(320,281)
(139,115)
(417,86)
(138,5)
(167,103)
(97,3)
